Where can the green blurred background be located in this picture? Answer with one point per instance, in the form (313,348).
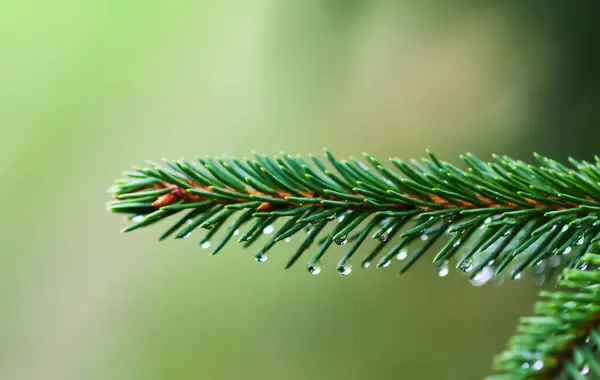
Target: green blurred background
(89,88)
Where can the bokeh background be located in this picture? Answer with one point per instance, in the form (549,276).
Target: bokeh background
(89,88)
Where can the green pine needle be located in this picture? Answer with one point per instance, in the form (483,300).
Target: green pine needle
(499,217)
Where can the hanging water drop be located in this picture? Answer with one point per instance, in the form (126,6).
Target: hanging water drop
(582,265)
(205,245)
(443,269)
(385,235)
(261,257)
(585,370)
(236,232)
(456,243)
(330,218)
(138,218)
(341,218)
(487,220)
(386,264)
(466,265)
(516,276)
(482,277)
(366,264)
(342,240)
(314,269)
(567,250)
(506,233)
(401,255)
(449,218)
(538,267)
(189,221)
(538,365)
(287,239)
(424,237)
(554,261)
(580,241)
(268,229)
(565,227)
(525,365)
(344,270)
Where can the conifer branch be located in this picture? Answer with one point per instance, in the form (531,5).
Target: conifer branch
(563,339)
(500,216)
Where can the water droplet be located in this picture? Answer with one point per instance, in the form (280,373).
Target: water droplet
(449,218)
(366,264)
(553,228)
(138,218)
(456,243)
(205,245)
(588,339)
(482,277)
(345,270)
(538,365)
(491,262)
(314,269)
(596,223)
(236,232)
(268,229)
(585,370)
(443,269)
(386,264)
(402,255)
(538,267)
(487,220)
(580,240)
(260,257)
(565,227)
(466,265)
(506,233)
(567,250)
(187,235)
(189,221)
(341,218)
(385,235)
(582,265)
(525,365)
(341,240)
(539,278)
(516,276)
(287,239)
(424,237)
(330,218)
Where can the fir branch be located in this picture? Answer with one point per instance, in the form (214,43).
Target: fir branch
(495,215)
(497,212)
(563,339)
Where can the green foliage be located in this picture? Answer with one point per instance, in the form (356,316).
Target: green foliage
(493,218)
